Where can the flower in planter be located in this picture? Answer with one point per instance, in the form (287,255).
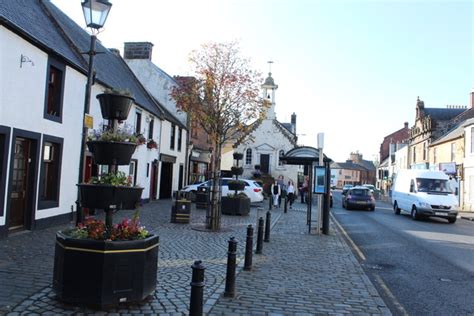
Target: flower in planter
(127,229)
(151,144)
(123,134)
(116,179)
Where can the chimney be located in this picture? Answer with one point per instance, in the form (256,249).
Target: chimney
(138,50)
(293,122)
(115,51)
(472,98)
(406,124)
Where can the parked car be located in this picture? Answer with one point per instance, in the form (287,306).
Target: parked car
(345,188)
(358,197)
(253,189)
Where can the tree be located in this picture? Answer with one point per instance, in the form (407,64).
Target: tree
(223,98)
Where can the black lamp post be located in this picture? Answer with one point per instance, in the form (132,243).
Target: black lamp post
(95,14)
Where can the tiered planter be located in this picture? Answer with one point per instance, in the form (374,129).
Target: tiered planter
(236,205)
(103,272)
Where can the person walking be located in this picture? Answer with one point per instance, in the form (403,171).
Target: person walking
(276,191)
(281,183)
(290,191)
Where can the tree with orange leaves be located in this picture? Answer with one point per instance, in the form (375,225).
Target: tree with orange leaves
(223,98)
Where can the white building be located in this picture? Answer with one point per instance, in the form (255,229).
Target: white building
(268,140)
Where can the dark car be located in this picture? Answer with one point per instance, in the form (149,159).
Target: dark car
(358,197)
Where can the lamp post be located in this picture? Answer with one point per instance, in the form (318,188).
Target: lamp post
(95,14)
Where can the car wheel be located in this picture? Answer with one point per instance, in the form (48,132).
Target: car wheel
(372,209)
(396,209)
(452,220)
(414,213)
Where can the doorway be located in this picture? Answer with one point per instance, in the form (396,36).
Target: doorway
(153,180)
(166,181)
(265,163)
(22,184)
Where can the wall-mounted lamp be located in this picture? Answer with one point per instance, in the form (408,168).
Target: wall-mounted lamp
(25,59)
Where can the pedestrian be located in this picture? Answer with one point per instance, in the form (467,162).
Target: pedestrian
(290,191)
(276,191)
(281,183)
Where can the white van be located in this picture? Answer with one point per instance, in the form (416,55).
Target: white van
(424,193)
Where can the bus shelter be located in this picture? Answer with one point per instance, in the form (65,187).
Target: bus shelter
(309,156)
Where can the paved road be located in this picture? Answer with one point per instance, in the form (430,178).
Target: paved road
(420,267)
(318,274)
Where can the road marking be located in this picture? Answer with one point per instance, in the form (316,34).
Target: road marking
(389,293)
(351,242)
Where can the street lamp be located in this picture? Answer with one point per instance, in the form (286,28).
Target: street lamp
(95,14)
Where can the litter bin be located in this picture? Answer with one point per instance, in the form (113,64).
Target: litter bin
(202,197)
(181,210)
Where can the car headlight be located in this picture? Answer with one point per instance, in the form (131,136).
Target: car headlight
(424,204)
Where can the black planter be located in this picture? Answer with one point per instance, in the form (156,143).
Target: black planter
(103,196)
(112,153)
(236,186)
(103,273)
(238,156)
(235,206)
(237,171)
(115,106)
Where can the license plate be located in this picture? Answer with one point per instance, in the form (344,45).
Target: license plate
(361,202)
(441,213)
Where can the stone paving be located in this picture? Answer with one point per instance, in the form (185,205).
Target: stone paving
(296,274)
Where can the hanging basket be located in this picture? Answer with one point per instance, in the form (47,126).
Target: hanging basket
(237,171)
(111,153)
(103,196)
(238,156)
(236,185)
(115,106)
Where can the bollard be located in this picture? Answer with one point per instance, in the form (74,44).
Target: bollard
(259,236)
(270,202)
(231,264)
(197,289)
(248,249)
(286,205)
(267,227)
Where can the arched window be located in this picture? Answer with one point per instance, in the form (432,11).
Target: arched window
(280,153)
(248,156)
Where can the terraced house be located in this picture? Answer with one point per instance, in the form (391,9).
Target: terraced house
(44,73)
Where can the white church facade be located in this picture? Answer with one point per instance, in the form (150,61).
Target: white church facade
(268,140)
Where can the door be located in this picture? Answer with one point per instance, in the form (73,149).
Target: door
(19,190)
(265,163)
(180,177)
(166,180)
(153,180)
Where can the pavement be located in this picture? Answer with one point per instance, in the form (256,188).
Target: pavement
(297,273)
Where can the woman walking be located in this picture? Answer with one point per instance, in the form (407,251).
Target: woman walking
(290,190)
(276,191)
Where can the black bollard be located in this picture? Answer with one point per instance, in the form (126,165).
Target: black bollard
(197,289)
(267,227)
(270,202)
(248,249)
(259,236)
(231,264)
(286,204)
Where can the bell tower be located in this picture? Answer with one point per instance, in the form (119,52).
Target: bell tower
(269,87)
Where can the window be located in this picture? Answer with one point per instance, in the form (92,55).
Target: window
(453,151)
(248,156)
(150,128)
(194,128)
(50,172)
(172,136)
(180,136)
(138,122)
(435,155)
(414,154)
(54,91)
(424,151)
(472,140)
(280,153)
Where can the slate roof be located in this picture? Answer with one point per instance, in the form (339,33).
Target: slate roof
(43,24)
(347,165)
(254,126)
(453,134)
(443,114)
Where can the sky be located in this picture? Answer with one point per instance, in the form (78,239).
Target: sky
(350,69)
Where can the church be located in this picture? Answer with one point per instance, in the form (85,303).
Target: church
(267,140)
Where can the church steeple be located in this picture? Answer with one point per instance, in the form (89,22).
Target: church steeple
(269,87)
